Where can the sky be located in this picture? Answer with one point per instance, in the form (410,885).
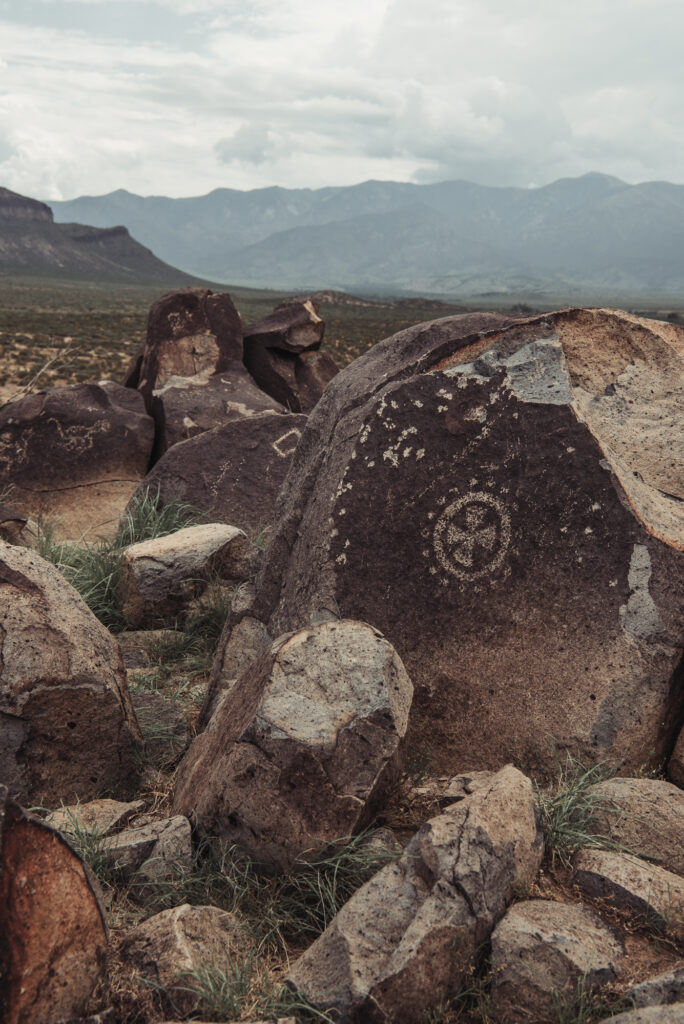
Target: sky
(178,97)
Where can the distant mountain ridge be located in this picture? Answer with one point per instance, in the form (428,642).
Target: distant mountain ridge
(30,242)
(592,234)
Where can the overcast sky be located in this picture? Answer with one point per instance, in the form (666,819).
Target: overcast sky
(177,97)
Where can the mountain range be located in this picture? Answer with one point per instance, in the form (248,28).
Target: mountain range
(592,237)
(31,242)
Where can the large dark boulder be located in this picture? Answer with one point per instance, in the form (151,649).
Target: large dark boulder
(232,473)
(76,453)
(502,498)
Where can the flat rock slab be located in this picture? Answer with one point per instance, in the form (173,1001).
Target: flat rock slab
(101,817)
(75,453)
(293,327)
(67,726)
(632,884)
(502,498)
(645,816)
(187,406)
(540,950)
(168,948)
(404,941)
(160,577)
(232,473)
(303,747)
(51,920)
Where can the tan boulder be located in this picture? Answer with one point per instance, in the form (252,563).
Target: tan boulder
(67,727)
(649,1015)
(303,747)
(101,817)
(53,927)
(404,941)
(541,950)
(149,855)
(645,816)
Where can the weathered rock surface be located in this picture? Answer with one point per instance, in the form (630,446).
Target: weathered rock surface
(645,816)
(633,884)
(168,948)
(232,473)
(67,727)
(540,950)
(187,406)
(52,924)
(102,817)
(76,453)
(649,1015)
(189,332)
(660,990)
(297,382)
(150,854)
(495,495)
(675,767)
(164,728)
(301,750)
(160,577)
(293,327)
(404,941)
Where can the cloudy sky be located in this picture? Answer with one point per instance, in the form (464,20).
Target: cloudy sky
(177,97)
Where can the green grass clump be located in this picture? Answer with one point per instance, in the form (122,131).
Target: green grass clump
(568,809)
(94,569)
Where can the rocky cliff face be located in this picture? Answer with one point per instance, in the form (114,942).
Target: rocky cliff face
(16,207)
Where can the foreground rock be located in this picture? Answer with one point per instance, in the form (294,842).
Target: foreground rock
(75,453)
(232,473)
(645,889)
(190,331)
(644,816)
(160,577)
(404,941)
(53,927)
(302,748)
(523,478)
(540,950)
(67,727)
(170,948)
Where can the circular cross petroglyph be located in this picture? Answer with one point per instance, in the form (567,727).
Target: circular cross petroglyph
(472,536)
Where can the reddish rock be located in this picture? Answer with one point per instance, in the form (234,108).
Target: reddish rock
(232,473)
(76,453)
(297,382)
(53,927)
(190,331)
(292,327)
(502,498)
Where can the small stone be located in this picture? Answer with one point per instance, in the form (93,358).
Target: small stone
(151,853)
(102,817)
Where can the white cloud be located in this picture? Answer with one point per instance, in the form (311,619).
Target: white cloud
(300,93)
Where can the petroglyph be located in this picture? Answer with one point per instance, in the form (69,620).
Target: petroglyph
(640,616)
(285,445)
(472,535)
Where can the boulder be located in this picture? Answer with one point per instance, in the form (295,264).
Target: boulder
(191,331)
(52,923)
(297,382)
(645,816)
(168,949)
(631,884)
(160,577)
(232,473)
(149,855)
(293,327)
(405,940)
(187,406)
(75,453)
(164,727)
(67,727)
(541,950)
(301,750)
(660,990)
(101,817)
(675,767)
(502,498)
(649,1015)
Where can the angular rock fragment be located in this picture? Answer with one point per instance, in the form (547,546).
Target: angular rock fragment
(160,577)
(404,941)
(67,727)
(293,327)
(502,498)
(53,927)
(150,854)
(302,748)
(169,949)
(297,382)
(644,816)
(541,950)
(190,331)
(232,473)
(75,453)
(660,990)
(101,817)
(645,889)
